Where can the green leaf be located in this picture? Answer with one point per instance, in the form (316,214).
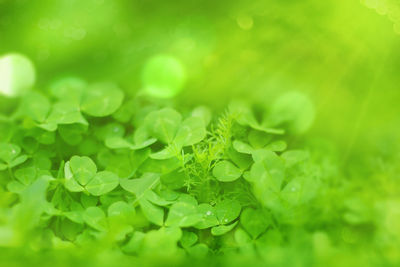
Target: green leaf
(242,147)
(16,187)
(70,183)
(258,139)
(33,203)
(48,126)
(36,106)
(139,186)
(8,152)
(244,115)
(277,146)
(3,166)
(163,124)
(255,222)
(68,89)
(153,213)
(294,157)
(83,169)
(141,134)
(64,113)
(95,217)
(227,210)
(102,183)
(191,131)
(204,113)
(101,99)
(72,134)
(300,190)
(160,166)
(293,109)
(209,218)
(267,175)
(242,238)
(187,199)
(26,175)
(154,198)
(75,216)
(134,243)
(225,171)
(188,239)
(222,229)
(88,200)
(242,161)
(119,142)
(183,214)
(109,130)
(166,153)
(198,251)
(174,180)
(246,244)
(123,163)
(121,210)
(18,160)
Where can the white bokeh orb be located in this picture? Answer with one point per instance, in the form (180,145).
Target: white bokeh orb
(17,75)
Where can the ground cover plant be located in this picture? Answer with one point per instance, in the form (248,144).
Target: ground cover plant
(83,167)
(199,133)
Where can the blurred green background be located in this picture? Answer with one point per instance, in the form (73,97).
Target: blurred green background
(344,54)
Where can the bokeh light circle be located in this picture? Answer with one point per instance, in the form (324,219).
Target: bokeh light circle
(163,76)
(17,75)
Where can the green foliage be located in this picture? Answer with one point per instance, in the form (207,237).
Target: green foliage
(143,159)
(176,184)
(101,99)
(225,171)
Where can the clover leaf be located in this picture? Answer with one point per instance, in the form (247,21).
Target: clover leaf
(139,187)
(69,89)
(10,156)
(63,113)
(227,210)
(294,109)
(209,218)
(102,183)
(101,99)
(8,152)
(163,124)
(83,169)
(119,142)
(191,131)
(222,229)
(255,222)
(81,174)
(183,214)
(121,211)
(244,115)
(36,106)
(96,218)
(188,239)
(225,171)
